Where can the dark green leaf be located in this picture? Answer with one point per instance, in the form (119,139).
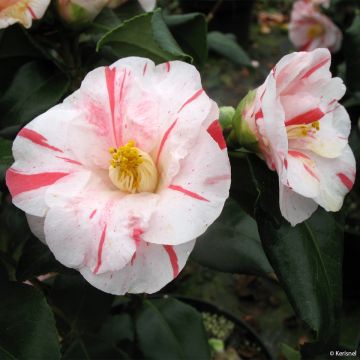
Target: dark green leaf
(27,326)
(107,20)
(14,229)
(144,35)
(190,32)
(116,331)
(227,46)
(93,347)
(232,244)
(14,42)
(35,88)
(308,261)
(290,353)
(6,158)
(352,55)
(36,259)
(83,307)
(16,48)
(169,329)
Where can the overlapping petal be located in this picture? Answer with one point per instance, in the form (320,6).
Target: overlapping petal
(303,134)
(124,241)
(21,11)
(310,29)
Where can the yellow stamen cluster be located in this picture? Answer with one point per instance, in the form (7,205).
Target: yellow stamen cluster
(132,170)
(315,31)
(296,131)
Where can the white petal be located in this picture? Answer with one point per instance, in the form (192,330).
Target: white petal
(148,5)
(294,207)
(337,177)
(153,267)
(195,197)
(36,225)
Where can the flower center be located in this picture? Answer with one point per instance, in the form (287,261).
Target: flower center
(315,31)
(132,170)
(296,131)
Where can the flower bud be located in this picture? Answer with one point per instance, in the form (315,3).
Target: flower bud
(226,117)
(79,12)
(244,131)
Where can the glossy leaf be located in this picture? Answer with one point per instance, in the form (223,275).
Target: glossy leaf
(27,326)
(352,55)
(190,32)
(227,46)
(169,329)
(83,307)
(6,158)
(232,244)
(36,259)
(308,262)
(36,87)
(144,35)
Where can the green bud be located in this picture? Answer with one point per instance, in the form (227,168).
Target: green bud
(216,345)
(242,135)
(226,117)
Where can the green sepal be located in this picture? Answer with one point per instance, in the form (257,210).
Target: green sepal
(241,133)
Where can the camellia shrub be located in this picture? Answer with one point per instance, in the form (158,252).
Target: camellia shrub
(117,165)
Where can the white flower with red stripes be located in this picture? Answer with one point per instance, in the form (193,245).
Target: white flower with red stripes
(21,11)
(309,29)
(122,177)
(303,134)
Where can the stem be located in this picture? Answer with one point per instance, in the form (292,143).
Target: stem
(213,11)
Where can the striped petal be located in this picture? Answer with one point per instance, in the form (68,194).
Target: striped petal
(199,192)
(151,269)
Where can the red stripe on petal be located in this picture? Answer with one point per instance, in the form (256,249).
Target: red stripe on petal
(164,139)
(31,11)
(37,138)
(173,259)
(144,69)
(307,45)
(259,115)
(216,133)
(191,99)
(295,153)
(136,235)
(71,161)
(345,180)
(216,179)
(19,183)
(100,250)
(121,99)
(92,214)
(315,68)
(311,172)
(187,192)
(306,118)
(110,75)
(167,66)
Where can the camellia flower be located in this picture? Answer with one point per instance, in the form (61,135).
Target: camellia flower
(122,177)
(21,11)
(309,29)
(147,5)
(80,11)
(296,124)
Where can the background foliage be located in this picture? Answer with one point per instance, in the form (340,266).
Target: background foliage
(63,316)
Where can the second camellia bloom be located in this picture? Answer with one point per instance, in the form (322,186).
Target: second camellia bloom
(122,177)
(295,122)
